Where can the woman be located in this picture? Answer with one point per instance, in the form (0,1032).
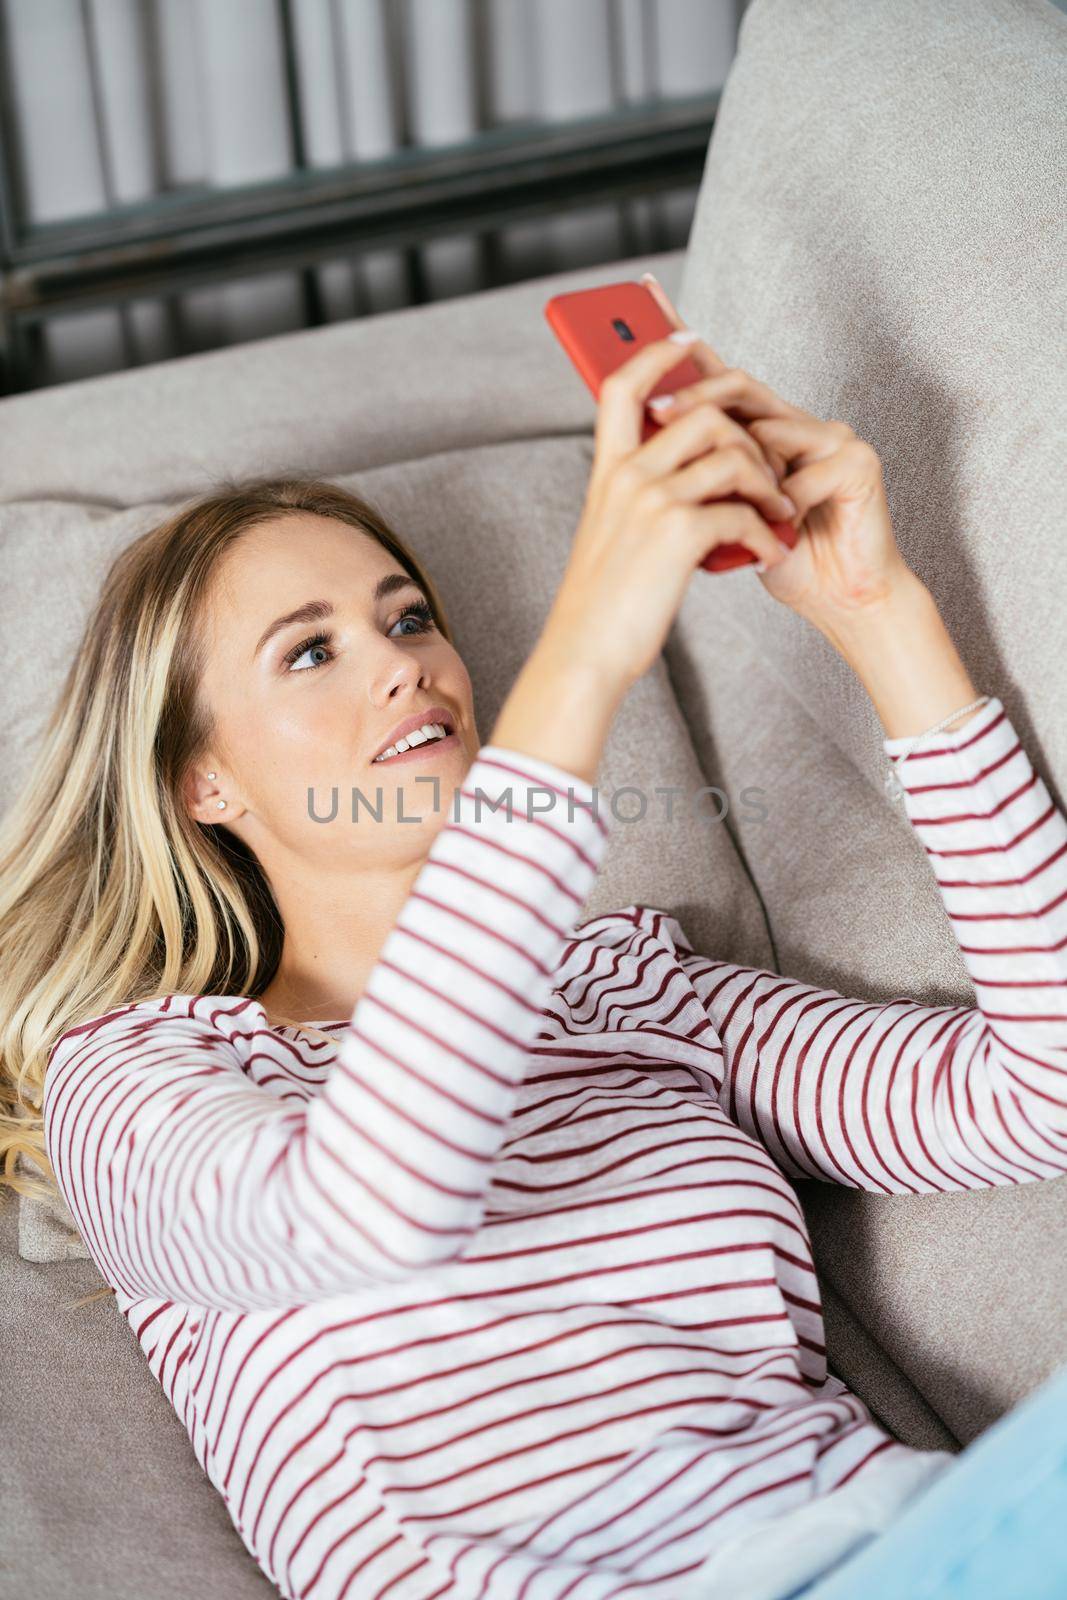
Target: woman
(459,1237)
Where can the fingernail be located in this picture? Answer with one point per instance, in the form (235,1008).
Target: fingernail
(650,277)
(787,502)
(660,402)
(759,566)
(684,335)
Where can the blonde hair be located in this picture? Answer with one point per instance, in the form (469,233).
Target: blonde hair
(110,893)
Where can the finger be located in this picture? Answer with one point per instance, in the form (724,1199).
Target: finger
(620,409)
(853,473)
(706,358)
(738,391)
(721,431)
(801,439)
(776,462)
(733,392)
(727,523)
(732,471)
(659,294)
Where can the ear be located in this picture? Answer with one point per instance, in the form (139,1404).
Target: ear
(201,794)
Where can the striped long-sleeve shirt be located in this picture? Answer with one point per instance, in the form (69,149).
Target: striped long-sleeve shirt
(500,1287)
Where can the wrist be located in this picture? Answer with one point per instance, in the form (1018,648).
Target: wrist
(560,708)
(573,650)
(903,654)
(904,600)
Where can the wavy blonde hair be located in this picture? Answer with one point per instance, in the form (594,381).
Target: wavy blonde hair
(110,893)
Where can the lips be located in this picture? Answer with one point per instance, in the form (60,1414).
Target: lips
(417,720)
(421,752)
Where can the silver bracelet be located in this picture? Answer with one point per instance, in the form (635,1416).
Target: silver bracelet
(893,786)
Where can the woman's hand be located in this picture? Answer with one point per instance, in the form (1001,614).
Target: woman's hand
(846,559)
(845,573)
(643,530)
(642,535)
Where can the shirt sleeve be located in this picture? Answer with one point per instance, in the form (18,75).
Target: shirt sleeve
(191,1183)
(903,1098)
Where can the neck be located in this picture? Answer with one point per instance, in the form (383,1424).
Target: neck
(335,928)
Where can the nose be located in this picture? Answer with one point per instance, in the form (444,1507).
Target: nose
(404,672)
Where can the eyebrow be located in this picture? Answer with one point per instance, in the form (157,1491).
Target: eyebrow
(319,610)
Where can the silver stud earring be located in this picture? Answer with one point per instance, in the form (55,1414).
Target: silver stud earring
(222,805)
(212,774)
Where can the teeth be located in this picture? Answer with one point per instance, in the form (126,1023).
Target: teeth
(423,735)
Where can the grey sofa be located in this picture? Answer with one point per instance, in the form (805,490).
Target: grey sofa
(879,235)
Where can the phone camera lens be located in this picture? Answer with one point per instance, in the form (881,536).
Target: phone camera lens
(622,329)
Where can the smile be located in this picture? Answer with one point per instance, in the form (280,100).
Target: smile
(430,736)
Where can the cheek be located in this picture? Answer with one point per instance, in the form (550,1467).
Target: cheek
(451,666)
(303,734)
(310,735)
(303,721)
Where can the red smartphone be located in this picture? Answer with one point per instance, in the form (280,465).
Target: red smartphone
(600,329)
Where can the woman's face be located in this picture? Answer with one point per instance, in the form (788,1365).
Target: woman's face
(292,715)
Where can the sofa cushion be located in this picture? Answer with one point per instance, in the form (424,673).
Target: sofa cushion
(474,370)
(879,235)
(103,1497)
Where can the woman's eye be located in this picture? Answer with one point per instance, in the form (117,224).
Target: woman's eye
(312,649)
(419,613)
(320,645)
(317,646)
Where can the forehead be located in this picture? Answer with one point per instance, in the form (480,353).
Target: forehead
(277,565)
(293,559)
(300,547)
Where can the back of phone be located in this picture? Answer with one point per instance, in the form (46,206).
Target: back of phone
(602,328)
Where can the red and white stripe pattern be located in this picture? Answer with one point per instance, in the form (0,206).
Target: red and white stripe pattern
(900,1098)
(506,1293)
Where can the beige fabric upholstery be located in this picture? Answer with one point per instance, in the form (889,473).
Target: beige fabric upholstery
(880,236)
(101,1495)
(401,386)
